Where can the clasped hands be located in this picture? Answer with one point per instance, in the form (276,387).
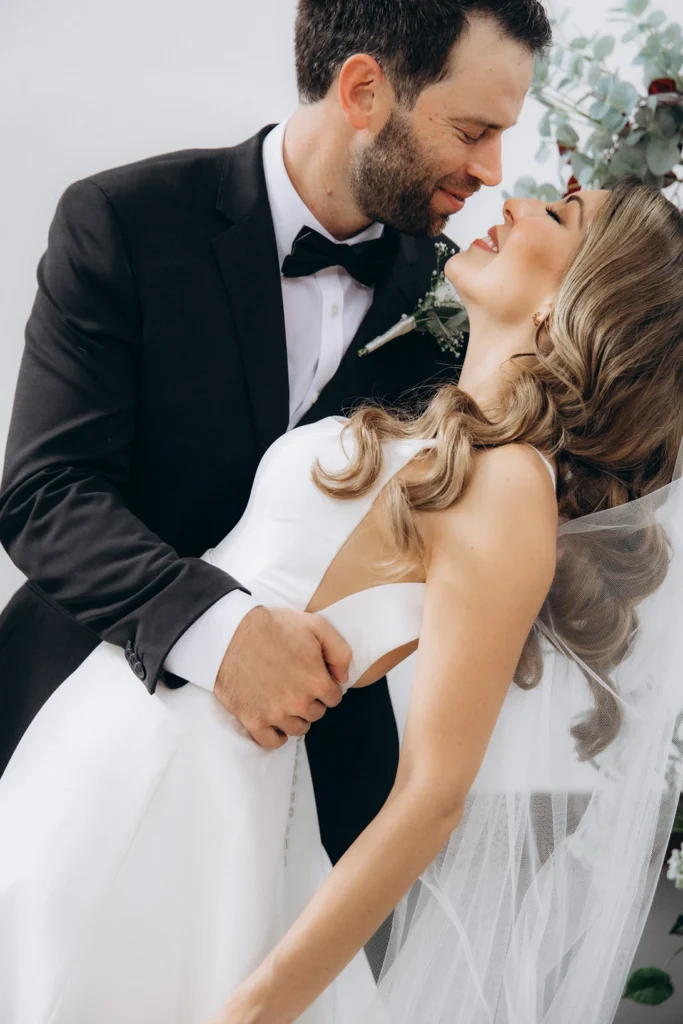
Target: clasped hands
(282,670)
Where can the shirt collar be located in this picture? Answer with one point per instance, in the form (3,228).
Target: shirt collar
(290,213)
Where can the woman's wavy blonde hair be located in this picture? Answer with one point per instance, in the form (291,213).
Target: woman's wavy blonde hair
(604,395)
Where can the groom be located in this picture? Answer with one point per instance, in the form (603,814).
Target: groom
(194,306)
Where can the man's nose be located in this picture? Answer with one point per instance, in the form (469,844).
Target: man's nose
(486,164)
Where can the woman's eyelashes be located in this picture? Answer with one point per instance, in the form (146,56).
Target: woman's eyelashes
(553,213)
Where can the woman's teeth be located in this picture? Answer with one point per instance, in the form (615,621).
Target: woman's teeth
(491,244)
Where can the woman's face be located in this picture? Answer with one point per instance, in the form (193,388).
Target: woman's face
(516,270)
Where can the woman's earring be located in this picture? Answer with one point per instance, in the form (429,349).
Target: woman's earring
(538,319)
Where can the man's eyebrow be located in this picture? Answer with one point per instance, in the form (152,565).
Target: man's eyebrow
(573,198)
(481,122)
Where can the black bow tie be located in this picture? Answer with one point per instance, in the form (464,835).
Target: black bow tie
(367,262)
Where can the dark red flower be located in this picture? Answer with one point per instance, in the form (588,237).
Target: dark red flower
(660,85)
(572,186)
(565,149)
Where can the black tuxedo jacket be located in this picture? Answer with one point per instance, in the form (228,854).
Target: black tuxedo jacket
(154,377)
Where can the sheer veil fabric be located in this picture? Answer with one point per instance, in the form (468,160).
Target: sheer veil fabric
(532,912)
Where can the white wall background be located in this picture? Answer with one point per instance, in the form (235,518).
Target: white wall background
(86,85)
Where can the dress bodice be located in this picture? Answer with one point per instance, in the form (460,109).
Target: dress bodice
(291,532)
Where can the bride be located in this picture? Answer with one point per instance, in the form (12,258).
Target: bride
(158,866)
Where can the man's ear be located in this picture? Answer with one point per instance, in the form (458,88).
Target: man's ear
(365,93)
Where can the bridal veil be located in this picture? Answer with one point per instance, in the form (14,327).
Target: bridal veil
(533,910)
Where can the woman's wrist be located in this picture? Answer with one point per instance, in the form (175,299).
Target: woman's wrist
(257,1001)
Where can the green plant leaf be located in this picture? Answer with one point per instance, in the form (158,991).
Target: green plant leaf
(598,110)
(678,926)
(580,43)
(662,154)
(671,34)
(632,34)
(542,153)
(603,47)
(636,7)
(576,65)
(566,135)
(593,74)
(525,187)
(656,19)
(548,193)
(649,986)
(624,96)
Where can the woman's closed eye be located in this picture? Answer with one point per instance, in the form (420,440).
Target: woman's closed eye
(553,213)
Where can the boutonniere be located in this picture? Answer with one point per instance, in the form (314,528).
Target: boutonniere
(440,313)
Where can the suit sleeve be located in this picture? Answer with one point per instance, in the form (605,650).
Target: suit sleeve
(63,519)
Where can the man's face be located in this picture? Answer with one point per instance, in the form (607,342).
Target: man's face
(422,165)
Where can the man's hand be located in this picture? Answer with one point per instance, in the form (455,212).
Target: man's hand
(281,671)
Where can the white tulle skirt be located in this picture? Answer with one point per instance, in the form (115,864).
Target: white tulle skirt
(143,869)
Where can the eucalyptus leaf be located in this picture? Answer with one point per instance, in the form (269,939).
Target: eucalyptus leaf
(649,986)
(624,96)
(671,34)
(632,33)
(598,110)
(603,47)
(662,155)
(636,7)
(586,175)
(525,187)
(656,19)
(566,135)
(544,126)
(542,153)
(576,65)
(593,74)
(614,120)
(548,193)
(580,43)
(667,122)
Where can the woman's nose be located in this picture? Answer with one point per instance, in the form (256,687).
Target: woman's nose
(514,209)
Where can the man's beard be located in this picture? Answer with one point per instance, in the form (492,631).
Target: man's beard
(392,181)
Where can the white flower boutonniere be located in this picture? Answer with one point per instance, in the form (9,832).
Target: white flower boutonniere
(440,313)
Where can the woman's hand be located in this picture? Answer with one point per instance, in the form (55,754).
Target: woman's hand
(249,1005)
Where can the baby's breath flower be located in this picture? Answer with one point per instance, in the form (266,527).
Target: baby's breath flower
(675,872)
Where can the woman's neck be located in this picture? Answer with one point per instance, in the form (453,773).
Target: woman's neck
(489,368)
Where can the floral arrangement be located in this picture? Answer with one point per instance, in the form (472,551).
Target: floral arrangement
(602,127)
(440,313)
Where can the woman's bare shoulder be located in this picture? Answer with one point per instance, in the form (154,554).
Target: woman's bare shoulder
(509,503)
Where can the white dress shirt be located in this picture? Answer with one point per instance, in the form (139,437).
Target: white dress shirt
(322,314)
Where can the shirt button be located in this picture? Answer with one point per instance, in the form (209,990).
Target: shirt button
(335,310)
(314,397)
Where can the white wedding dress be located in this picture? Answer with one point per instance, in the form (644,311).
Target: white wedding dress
(151,854)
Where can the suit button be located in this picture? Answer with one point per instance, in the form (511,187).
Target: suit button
(140,670)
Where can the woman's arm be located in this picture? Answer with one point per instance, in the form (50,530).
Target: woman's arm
(490,564)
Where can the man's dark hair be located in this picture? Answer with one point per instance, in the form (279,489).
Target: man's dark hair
(410,39)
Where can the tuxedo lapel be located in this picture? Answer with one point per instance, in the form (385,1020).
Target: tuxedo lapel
(247,258)
(398,293)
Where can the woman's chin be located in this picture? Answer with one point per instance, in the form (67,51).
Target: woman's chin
(453,270)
